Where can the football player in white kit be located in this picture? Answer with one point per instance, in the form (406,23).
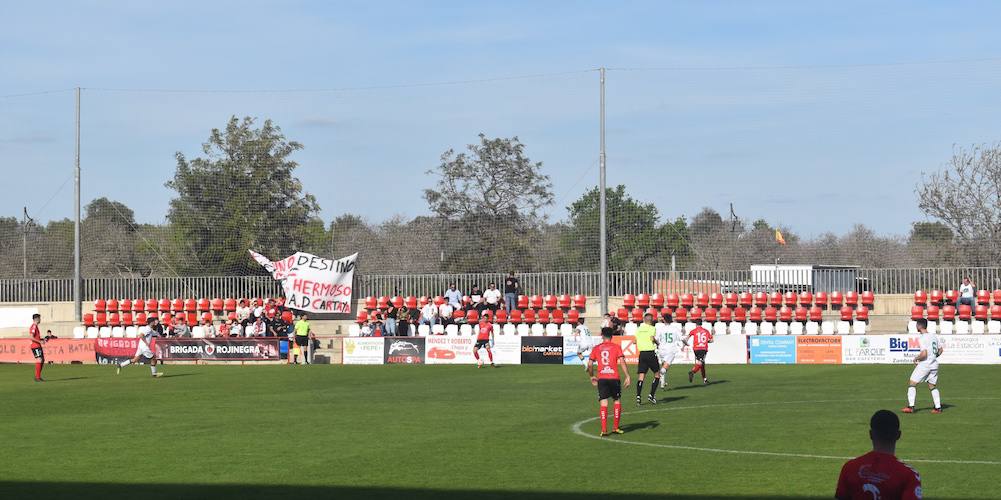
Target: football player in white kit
(926,368)
(585,342)
(667,346)
(145,348)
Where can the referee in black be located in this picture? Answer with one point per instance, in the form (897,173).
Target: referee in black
(646,344)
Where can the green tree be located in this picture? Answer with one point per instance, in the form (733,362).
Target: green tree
(242,194)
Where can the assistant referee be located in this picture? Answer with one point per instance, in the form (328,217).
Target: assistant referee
(645,343)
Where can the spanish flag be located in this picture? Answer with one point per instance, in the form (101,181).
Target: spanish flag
(779,238)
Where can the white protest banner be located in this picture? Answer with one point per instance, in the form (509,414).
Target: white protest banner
(312,283)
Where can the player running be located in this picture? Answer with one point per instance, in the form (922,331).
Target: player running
(878,474)
(926,368)
(647,347)
(484,338)
(585,342)
(610,359)
(144,349)
(667,348)
(700,347)
(36,345)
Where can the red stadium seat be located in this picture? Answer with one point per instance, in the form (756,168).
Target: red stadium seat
(114,319)
(754,314)
(515,317)
(466,301)
(980,313)
(716,300)
(867,298)
(629,301)
(816,314)
(501,316)
(996,312)
(702,300)
(528,316)
(622,314)
(423,301)
(965,312)
(558,317)
(102,318)
(472,316)
(846,313)
(771,314)
(746,300)
(138,305)
(100,305)
(175,305)
(204,304)
(152,305)
(732,300)
(997,296)
(286,316)
(362,316)
(917,312)
(573,316)
(232,316)
(487,315)
(382,302)
(948,313)
(711,314)
(740,314)
(397,301)
(522,302)
(726,314)
(229,305)
(785,314)
(535,301)
(802,314)
(695,314)
(190,305)
(687,300)
(851,298)
(657,300)
(564,301)
(806,299)
(439,300)
(761,299)
(951,297)
(139,319)
(550,301)
(920,297)
(666,312)
(112,305)
(775,299)
(127,319)
(192,319)
(983,297)
(672,300)
(411,302)
(637,315)
(206,316)
(932,313)
(820,300)
(936,297)
(790,299)
(680,315)
(836,300)
(643,300)
(862,314)
(580,301)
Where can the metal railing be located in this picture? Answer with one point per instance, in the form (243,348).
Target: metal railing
(882,281)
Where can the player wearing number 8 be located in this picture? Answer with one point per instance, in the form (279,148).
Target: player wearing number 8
(700,347)
(609,358)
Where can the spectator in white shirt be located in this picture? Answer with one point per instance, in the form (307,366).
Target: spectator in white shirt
(967,292)
(208,328)
(366,329)
(235,329)
(445,311)
(258,328)
(243,313)
(492,297)
(429,314)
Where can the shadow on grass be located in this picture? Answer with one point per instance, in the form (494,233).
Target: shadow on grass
(103,491)
(649,424)
(172,375)
(699,385)
(68,379)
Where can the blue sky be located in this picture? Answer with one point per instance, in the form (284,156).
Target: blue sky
(812,115)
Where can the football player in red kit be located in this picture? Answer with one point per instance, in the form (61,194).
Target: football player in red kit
(484,333)
(609,359)
(700,348)
(878,474)
(36,346)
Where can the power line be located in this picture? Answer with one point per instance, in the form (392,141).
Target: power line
(807,66)
(41,92)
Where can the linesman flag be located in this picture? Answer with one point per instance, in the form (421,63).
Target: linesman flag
(779,238)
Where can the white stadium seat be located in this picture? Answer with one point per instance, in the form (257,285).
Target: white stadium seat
(844,328)
(552,330)
(795,328)
(781,328)
(104,332)
(719,328)
(767,328)
(131,332)
(452,330)
(962,327)
(497,329)
(117,332)
(538,330)
(827,328)
(566,330)
(79,332)
(977,328)
(933,327)
(465,330)
(689,327)
(198,332)
(630,328)
(523,330)
(858,327)
(92,332)
(751,328)
(812,328)
(912,327)
(736,328)
(509,329)
(945,327)
(994,327)
(423,330)
(354,330)
(438,329)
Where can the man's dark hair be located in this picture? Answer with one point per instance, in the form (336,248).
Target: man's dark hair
(510,273)
(151,320)
(922,323)
(606,334)
(35,316)
(885,426)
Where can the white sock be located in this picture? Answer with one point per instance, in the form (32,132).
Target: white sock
(663,373)
(936,397)
(125,363)
(912,393)
(152,368)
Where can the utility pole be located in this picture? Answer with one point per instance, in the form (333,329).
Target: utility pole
(77,282)
(24,242)
(603,234)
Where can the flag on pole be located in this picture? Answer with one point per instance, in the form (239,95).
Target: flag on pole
(779,238)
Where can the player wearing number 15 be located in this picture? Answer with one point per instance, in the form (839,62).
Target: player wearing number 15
(609,359)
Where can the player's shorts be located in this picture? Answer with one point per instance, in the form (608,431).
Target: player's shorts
(302,340)
(482,344)
(925,373)
(143,351)
(609,388)
(700,355)
(38,353)
(667,356)
(648,361)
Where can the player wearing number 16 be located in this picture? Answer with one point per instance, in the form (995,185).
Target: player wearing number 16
(609,359)
(700,347)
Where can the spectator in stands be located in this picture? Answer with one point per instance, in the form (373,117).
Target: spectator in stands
(476,296)
(967,293)
(208,328)
(366,329)
(402,321)
(181,328)
(429,314)
(389,325)
(258,328)
(224,327)
(235,328)
(512,287)
(492,298)
(276,327)
(243,313)
(258,310)
(271,309)
(453,296)
(445,311)
(607,325)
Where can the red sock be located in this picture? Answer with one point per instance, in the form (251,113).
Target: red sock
(703,369)
(476,354)
(490,354)
(616,413)
(603,413)
(38,370)
(695,368)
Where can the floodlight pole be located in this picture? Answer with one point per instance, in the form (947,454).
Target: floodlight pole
(77,282)
(603,278)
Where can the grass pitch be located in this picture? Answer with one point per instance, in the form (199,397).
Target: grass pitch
(446,432)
